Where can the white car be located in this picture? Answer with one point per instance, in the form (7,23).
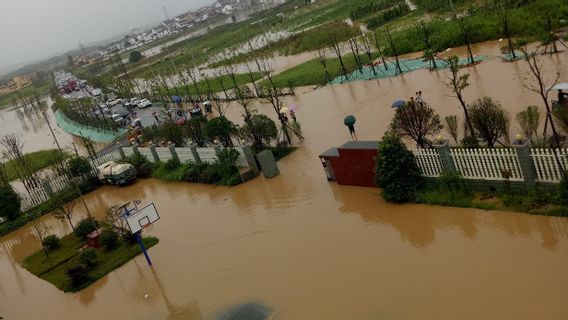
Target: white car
(144,103)
(134,102)
(114,102)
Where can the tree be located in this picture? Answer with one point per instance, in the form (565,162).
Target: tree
(542,88)
(135,56)
(88,257)
(394,50)
(529,121)
(466,34)
(79,166)
(10,203)
(65,213)
(336,47)
(424,32)
(50,242)
(13,146)
(503,16)
(195,130)
(84,227)
(220,128)
(396,170)
(322,59)
(263,127)
(114,220)
(109,238)
(39,231)
(368,49)
(416,122)
(452,127)
(490,121)
(458,83)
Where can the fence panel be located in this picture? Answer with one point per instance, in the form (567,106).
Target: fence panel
(164,154)
(207,155)
(242,160)
(487,164)
(33,198)
(546,165)
(128,151)
(147,153)
(113,156)
(428,161)
(185,155)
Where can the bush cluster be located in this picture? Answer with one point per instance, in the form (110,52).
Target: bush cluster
(109,239)
(50,242)
(84,227)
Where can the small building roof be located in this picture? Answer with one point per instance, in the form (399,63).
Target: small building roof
(332,152)
(371,145)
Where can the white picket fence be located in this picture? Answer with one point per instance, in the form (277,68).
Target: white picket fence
(428,161)
(112,156)
(547,166)
(487,164)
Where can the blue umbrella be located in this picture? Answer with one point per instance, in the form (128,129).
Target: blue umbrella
(398,103)
(176,99)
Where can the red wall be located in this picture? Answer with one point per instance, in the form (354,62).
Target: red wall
(355,167)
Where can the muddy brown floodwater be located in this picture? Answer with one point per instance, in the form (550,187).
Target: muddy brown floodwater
(314,250)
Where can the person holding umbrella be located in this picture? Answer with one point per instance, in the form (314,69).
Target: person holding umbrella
(349,121)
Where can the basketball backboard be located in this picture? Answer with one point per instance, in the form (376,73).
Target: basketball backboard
(142,218)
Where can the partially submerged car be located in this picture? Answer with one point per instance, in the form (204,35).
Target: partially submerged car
(117,173)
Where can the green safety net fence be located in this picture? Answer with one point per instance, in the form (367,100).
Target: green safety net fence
(95,134)
(390,69)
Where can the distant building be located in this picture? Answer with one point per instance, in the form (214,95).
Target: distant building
(17,83)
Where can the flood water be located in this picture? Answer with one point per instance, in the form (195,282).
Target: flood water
(310,249)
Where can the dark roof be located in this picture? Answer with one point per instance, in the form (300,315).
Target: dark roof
(372,145)
(332,152)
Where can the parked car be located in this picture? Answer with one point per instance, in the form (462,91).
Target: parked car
(144,103)
(119,119)
(134,102)
(114,102)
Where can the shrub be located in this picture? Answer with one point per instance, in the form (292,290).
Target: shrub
(10,203)
(84,227)
(193,172)
(50,242)
(220,128)
(78,275)
(88,257)
(135,56)
(172,164)
(79,166)
(210,175)
(143,167)
(489,120)
(396,170)
(564,191)
(109,239)
(470,142)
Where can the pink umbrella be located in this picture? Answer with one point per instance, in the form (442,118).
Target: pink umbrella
(293,108)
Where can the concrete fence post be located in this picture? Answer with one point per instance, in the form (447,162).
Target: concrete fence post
(218,148)
(154,153)
(195,154)
(249,156)
(47,188)
(173,152)
(443,148)
(135,149)
(121,152)
(526,162)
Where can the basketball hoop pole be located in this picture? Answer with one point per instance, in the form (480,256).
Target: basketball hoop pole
(137,235)
(142,247)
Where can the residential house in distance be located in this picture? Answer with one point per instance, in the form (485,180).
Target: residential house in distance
(17,83)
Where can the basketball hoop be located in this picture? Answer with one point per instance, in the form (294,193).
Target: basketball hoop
(147,227)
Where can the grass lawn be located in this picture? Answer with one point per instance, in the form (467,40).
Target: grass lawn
(8,99)
(240,79)
(311,72)
(54,267)
(536,201)
(37,160)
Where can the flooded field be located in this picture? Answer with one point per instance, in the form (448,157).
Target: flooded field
(309,249)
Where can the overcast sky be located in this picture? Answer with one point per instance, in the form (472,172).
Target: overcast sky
(37,29)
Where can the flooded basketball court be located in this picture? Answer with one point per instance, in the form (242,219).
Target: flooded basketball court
(308,249)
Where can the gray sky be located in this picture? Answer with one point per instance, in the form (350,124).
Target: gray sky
(36,29)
